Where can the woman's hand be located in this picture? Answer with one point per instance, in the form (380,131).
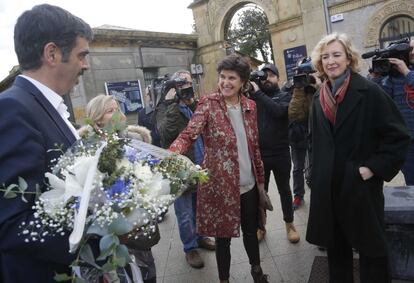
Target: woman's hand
(365,173)
(264,200)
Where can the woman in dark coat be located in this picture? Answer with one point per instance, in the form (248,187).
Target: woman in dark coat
(359,139)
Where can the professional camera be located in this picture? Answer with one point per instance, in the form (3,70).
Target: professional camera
(398,49)
(182,93)
(302,78)
(257,76)
(175,83)
(164,84)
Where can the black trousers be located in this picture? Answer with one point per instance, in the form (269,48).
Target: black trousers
(248,214)
(298,159)
(280,165)
(340,258)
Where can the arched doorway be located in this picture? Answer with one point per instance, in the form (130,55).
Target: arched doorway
(388,22)
(396,28)
(247,31)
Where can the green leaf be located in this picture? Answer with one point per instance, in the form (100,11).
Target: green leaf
(24,199)
(120,261)
(108,267)
(120,226)
(22,185)
(62,277)
(80,280)
(11,187)
(86,255)
(105,253)
(9,194)
(107,241)
(97,229)
(122,251)
(38,191)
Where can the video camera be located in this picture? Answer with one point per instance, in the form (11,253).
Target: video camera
(162,85)
(157,89)
(257,76)
(302,78)
(398,49)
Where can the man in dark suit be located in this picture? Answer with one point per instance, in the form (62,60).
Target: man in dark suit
(51,45)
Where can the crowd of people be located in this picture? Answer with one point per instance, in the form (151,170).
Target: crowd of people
(356,132)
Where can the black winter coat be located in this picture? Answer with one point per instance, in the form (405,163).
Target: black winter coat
(369,131)
(272,121)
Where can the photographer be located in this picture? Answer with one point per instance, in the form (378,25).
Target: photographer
(272,118)
(401,89)
(305,85)
(178,107)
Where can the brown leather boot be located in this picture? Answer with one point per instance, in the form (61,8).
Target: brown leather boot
(292,234)
(260,234)
(194,259)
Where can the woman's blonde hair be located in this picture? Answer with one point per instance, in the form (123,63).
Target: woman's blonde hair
(351,53)
(95,109)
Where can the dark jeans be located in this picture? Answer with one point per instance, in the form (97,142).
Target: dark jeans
(298,160)
(408,167)
(248,218)
(340,258)
(280,165)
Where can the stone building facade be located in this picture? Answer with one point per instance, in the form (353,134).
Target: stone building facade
(300,24)
(120,54)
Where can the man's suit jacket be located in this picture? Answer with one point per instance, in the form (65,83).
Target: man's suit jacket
(29,127)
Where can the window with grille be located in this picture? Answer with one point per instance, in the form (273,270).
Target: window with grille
(150,74)
(396,28)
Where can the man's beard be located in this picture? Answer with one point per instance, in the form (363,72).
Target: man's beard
(269,88)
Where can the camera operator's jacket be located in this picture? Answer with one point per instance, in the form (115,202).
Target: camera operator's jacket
(272,119)
(171,123)
(299,105)
(394,86)
(369,131)
(218,200)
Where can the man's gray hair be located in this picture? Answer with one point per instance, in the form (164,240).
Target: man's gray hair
(177,74)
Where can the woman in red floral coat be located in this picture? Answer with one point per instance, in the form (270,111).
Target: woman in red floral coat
(230,199)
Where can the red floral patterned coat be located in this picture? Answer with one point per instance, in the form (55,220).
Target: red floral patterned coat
(218,200)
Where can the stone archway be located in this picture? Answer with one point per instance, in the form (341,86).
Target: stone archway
(291,24)
(385,12)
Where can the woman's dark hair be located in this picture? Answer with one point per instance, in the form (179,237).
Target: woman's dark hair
(41,25)
(235,63)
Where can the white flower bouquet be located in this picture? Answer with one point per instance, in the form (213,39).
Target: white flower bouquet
(104,188)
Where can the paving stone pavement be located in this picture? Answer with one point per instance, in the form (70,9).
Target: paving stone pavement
(283,261)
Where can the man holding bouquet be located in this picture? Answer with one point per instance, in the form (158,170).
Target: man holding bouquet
(51,45)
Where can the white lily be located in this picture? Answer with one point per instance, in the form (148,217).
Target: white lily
(80,217)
